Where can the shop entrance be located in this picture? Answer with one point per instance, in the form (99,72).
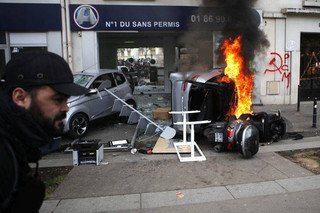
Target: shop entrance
(151,56)
(147,57)
(143,66)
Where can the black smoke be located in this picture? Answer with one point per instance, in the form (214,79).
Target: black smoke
(243,20)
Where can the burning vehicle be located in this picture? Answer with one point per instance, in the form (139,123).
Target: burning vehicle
(223,96)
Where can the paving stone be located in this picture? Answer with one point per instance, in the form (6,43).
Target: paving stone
(99,204)
(255,189)
(301,183)
(171,198)
(48,206)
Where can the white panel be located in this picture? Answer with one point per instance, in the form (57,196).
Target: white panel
(276,5)
(28,39)
(295,76)
(296,25)
(54,42)
(89,50)
(280,35)
(273,87)
(77,51)
(269,30)
(272,99)
(280,49)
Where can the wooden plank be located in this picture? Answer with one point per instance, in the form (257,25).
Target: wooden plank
(166,146)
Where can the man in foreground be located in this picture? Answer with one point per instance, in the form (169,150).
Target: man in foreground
(33,103)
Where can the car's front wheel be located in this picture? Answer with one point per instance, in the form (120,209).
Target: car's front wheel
(78,126)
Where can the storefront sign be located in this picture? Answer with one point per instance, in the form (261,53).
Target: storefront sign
(30,17)
(46,17)
(131,17)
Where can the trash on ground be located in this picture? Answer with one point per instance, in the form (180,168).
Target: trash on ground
(161,113)
(179,194)
(104,163)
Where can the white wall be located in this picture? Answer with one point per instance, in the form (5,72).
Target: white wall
(277,5)
(89,51)
(275,31)
(77,55)
(28,39)
(280,29)
(54,42)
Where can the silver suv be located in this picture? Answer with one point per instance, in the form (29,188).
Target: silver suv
(97,103)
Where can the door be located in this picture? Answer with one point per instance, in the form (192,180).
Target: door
(101,104)
(309,87)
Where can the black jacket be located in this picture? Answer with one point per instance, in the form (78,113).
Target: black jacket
(20,139)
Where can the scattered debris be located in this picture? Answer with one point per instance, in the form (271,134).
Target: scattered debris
(133,151)
(161,113)
(295,136)
(147,149)
(104,163)
(179,194)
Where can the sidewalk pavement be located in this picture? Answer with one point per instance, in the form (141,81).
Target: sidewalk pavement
(296,121)
(225,182)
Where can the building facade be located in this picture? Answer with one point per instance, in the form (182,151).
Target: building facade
(97,34)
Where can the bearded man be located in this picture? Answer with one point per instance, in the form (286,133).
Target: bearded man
(33,103)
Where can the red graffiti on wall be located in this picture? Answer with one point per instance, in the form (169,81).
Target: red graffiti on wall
(280,66)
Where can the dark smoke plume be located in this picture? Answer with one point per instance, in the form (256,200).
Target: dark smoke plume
(243,22)
(199,46)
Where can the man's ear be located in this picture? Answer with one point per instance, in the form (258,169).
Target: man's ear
(21,97)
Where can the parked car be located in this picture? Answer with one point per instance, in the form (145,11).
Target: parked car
(97,103)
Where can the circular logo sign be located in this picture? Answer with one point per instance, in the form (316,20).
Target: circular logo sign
(86,17)
(291,45)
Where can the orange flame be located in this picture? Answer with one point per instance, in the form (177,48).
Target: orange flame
(238,71)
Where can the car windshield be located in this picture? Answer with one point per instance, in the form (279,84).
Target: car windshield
(82,79)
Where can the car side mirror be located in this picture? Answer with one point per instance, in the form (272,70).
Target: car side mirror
(92,92)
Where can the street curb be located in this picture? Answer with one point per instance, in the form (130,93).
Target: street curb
(182,197)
